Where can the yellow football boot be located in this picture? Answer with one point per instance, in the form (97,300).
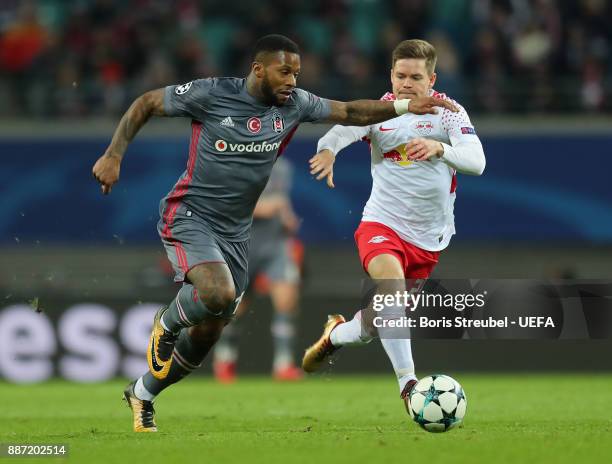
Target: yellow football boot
(161,346)
(316,354)
(142,411)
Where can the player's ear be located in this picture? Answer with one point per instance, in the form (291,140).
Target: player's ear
(432,80)
(257,68)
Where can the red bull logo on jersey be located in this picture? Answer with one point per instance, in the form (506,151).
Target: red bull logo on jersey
(423,128)
(398,156)
(253,147)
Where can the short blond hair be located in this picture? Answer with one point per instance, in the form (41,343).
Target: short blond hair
(416,48)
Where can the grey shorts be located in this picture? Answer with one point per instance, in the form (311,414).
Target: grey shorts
(273,258)
(189,241)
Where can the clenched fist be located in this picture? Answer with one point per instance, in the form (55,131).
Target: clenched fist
(106,171)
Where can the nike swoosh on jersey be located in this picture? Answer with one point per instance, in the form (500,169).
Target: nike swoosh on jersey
(385,129)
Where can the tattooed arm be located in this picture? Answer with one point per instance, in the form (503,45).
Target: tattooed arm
(366,112)
(106,169)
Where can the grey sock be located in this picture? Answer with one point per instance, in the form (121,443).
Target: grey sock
(283,334)
(186,310)
(187,357)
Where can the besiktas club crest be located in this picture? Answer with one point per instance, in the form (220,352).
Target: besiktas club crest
(278,125)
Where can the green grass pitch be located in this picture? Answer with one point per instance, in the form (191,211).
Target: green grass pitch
(510,418)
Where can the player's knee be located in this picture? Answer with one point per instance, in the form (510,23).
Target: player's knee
(385,266)
(284,297)
(219,298)
(215,286)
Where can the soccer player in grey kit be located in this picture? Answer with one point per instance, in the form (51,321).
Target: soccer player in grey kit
(240,126)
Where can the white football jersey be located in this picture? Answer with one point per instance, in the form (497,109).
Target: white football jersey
(415,199)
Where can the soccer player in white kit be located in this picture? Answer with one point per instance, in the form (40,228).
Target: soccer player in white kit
(408,219)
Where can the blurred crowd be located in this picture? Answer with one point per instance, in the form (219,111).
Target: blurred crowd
(66,58)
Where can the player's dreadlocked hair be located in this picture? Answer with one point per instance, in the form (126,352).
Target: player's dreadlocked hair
(274,43)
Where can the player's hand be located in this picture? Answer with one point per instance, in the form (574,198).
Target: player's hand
(420,149)
(428,105)
(322,165)
(106,171)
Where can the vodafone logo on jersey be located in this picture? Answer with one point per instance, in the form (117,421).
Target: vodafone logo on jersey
(253,147)
(254,125)
(221,145)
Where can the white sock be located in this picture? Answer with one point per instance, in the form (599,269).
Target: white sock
(163,324)
(399,352)
(141,392)
(349,333)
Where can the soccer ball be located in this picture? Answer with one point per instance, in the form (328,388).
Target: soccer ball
(437,403)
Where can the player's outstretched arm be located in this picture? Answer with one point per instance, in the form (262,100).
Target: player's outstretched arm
(106,169)
(365,112)
(336,139)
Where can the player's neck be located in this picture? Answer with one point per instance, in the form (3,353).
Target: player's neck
(254,90)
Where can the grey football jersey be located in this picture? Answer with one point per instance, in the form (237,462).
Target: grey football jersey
(235,141)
